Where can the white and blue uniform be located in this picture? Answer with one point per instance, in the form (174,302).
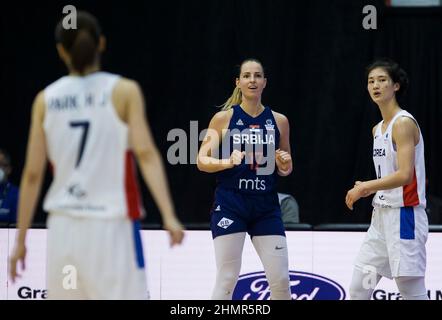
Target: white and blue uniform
(246,197)
(93,200)
(395,241)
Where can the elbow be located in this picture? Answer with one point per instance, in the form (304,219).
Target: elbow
(204,165)
(32,177)
(200,165)
(407,178)
(145,155)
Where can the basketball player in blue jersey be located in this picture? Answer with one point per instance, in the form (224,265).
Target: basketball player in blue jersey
(394,246)
(250,138)
(88,124)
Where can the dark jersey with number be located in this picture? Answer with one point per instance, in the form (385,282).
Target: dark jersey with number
(259,138)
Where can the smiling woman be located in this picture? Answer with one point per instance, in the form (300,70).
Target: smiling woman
(246,200)
(249,69)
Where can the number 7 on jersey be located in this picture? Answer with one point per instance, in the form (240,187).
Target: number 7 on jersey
(84,125)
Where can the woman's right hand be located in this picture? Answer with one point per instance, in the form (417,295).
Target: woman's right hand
(236,157)
(18,255)
(175,229)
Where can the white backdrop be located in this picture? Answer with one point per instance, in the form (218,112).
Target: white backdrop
(320,265)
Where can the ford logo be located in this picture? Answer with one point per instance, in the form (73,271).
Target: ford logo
(303,286)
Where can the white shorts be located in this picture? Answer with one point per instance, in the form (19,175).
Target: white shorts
(90,258)
(395,243)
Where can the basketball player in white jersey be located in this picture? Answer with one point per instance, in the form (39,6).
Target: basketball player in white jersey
(87,124)
(394,246)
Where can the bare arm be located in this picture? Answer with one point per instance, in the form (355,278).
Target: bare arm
(212,140)
(31,181)
(406,136)
(284,161)
(149,158)
(404,132)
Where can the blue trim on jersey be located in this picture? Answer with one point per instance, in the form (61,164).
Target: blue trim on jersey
(138,245)
(407,223)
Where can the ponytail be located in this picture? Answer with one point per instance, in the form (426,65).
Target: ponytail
(235,98)
(83,51)
(80,43)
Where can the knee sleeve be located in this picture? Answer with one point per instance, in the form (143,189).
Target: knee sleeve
(226,278)
(228,251)
(412,288)
(363,284)
(273,253)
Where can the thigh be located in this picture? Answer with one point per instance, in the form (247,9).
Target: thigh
(111,259)
(62,274)
(373,253)
(229,248)
(271,246)
(406,241)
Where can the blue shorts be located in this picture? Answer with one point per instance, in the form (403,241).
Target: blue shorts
(232,212)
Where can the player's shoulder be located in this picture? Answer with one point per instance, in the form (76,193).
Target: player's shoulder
(126,89)
(373,130)
(221,119)
(40,96)
(281,120)
(280,117)
(126,85)
(40,100)
(404,123)
(222,116)
(39,105)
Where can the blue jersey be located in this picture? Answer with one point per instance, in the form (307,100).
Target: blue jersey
(259,138)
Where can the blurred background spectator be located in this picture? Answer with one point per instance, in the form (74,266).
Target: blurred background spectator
(8,191)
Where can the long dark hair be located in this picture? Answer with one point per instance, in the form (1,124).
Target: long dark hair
(81,43)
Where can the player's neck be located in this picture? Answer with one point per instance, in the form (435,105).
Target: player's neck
(88,70)
(389,109)
(252,107)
